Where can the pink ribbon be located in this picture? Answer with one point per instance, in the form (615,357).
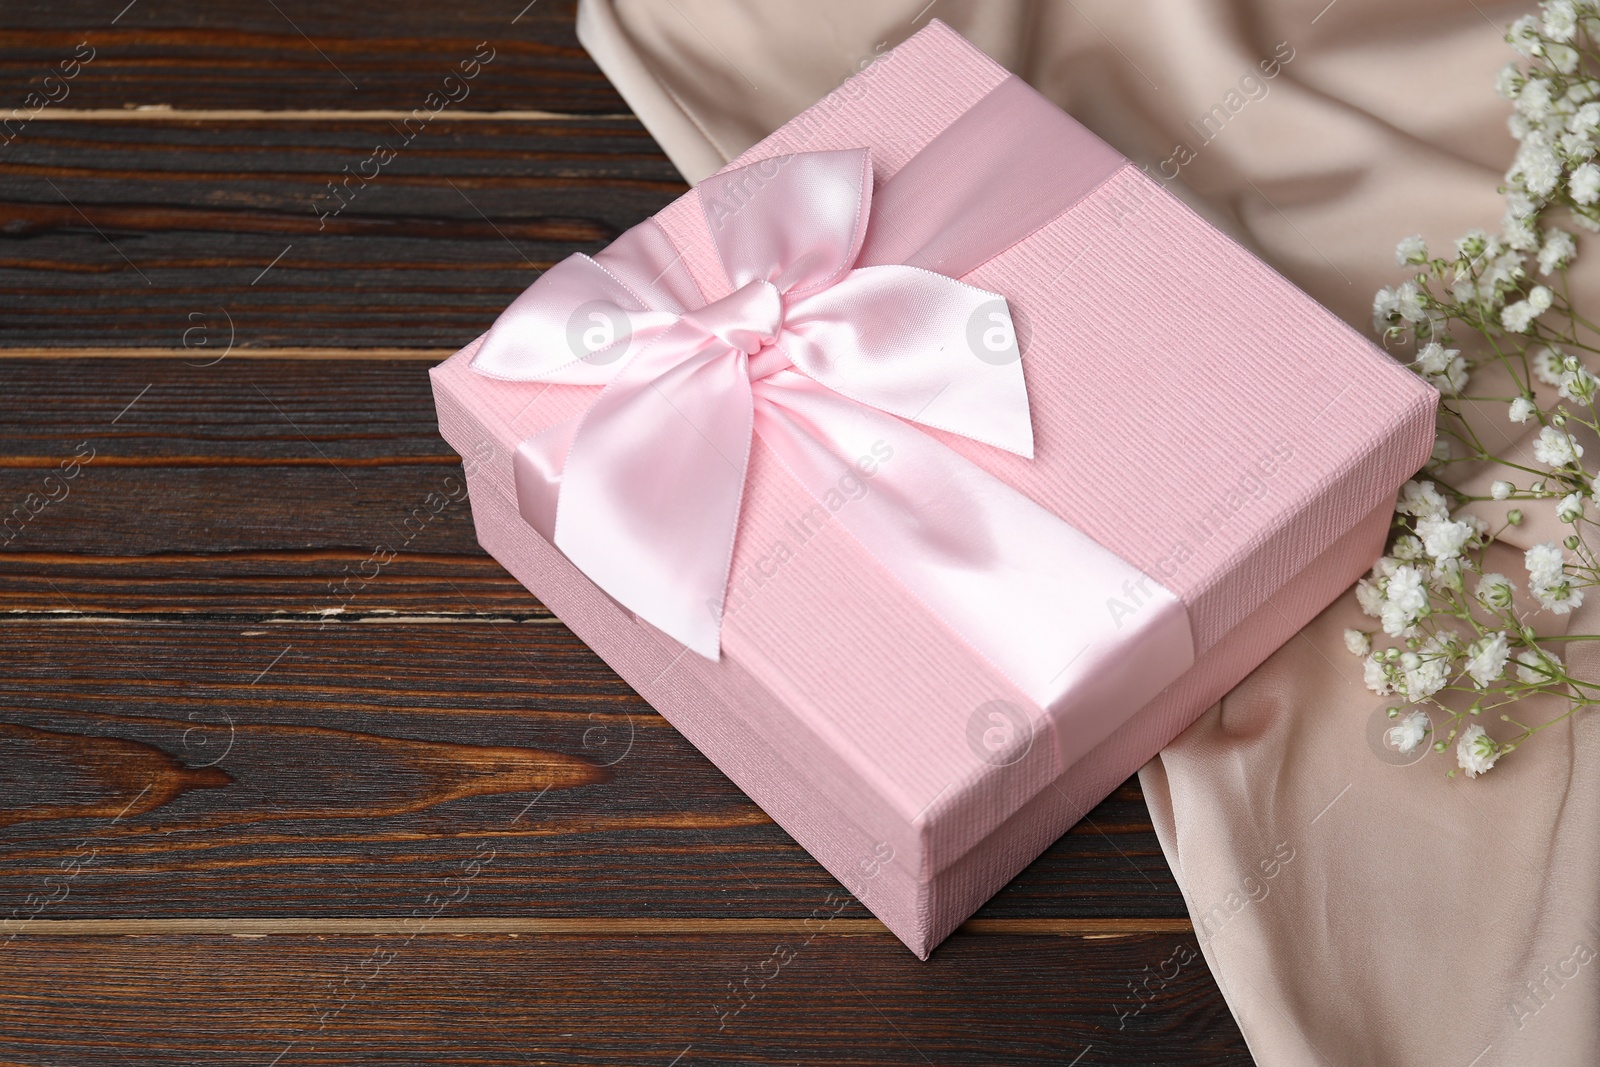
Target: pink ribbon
(831,364)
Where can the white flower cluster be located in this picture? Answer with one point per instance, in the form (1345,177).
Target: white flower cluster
(1476,751)
(1419,584)
(1548,579)
(1409,732)
(1401,589)
(1556,121)
(1436,643)
(1444,368)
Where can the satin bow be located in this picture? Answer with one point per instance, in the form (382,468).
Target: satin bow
(805,348)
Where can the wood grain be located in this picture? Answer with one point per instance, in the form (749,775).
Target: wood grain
(516,1000)
(269,234)
(292,769)
(205,411)
(298,54)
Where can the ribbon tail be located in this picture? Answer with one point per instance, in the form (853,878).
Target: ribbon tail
(537,467)
(652,484)
(1034,596)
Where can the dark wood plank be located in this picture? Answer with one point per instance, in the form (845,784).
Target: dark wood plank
(212,409)
(593,1000)
(152,234)
(249,766)
(125,511)
(298,54)
(250,585)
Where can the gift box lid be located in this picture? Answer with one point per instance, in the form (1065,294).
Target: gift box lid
(1193,412)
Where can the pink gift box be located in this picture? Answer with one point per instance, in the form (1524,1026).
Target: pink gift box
(1193,412)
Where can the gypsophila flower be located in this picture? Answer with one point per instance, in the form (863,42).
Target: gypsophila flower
(1576,146)
(1404,600)
(1547,576)
(1443,538)
(1486,659)
(1385,308)
(1559,597)
(1423,500)
(1424,675)
(1524,36)
(1534,100)
(1518,317)
(1557,250)
(1495,591)
(1557,448)
(1357,643)
(1476,751)
(1560,20)
(1538,666)
(1408,547)
(1408,302)
(1411,250)
(1520,232)
(1444,368)
(1584,184)
(1376,676)
(1446,574)
(1578,384)
(1505,270)
(1571,508)
(1370,597)
(1537,166)
(1509,81)
(1502,490)
(1405,735)
(1521,410)
(1475,243)
(1544,562)
(1563,57)
(1585,120)
(1549,364)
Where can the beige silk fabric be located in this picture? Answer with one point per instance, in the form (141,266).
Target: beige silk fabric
(1353,911)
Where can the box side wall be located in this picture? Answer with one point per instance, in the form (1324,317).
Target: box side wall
(966,885)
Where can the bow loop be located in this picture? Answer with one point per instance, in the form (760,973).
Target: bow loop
(580,321)
(796,221)
(648,484)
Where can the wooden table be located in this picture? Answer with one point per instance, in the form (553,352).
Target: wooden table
(290,775)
